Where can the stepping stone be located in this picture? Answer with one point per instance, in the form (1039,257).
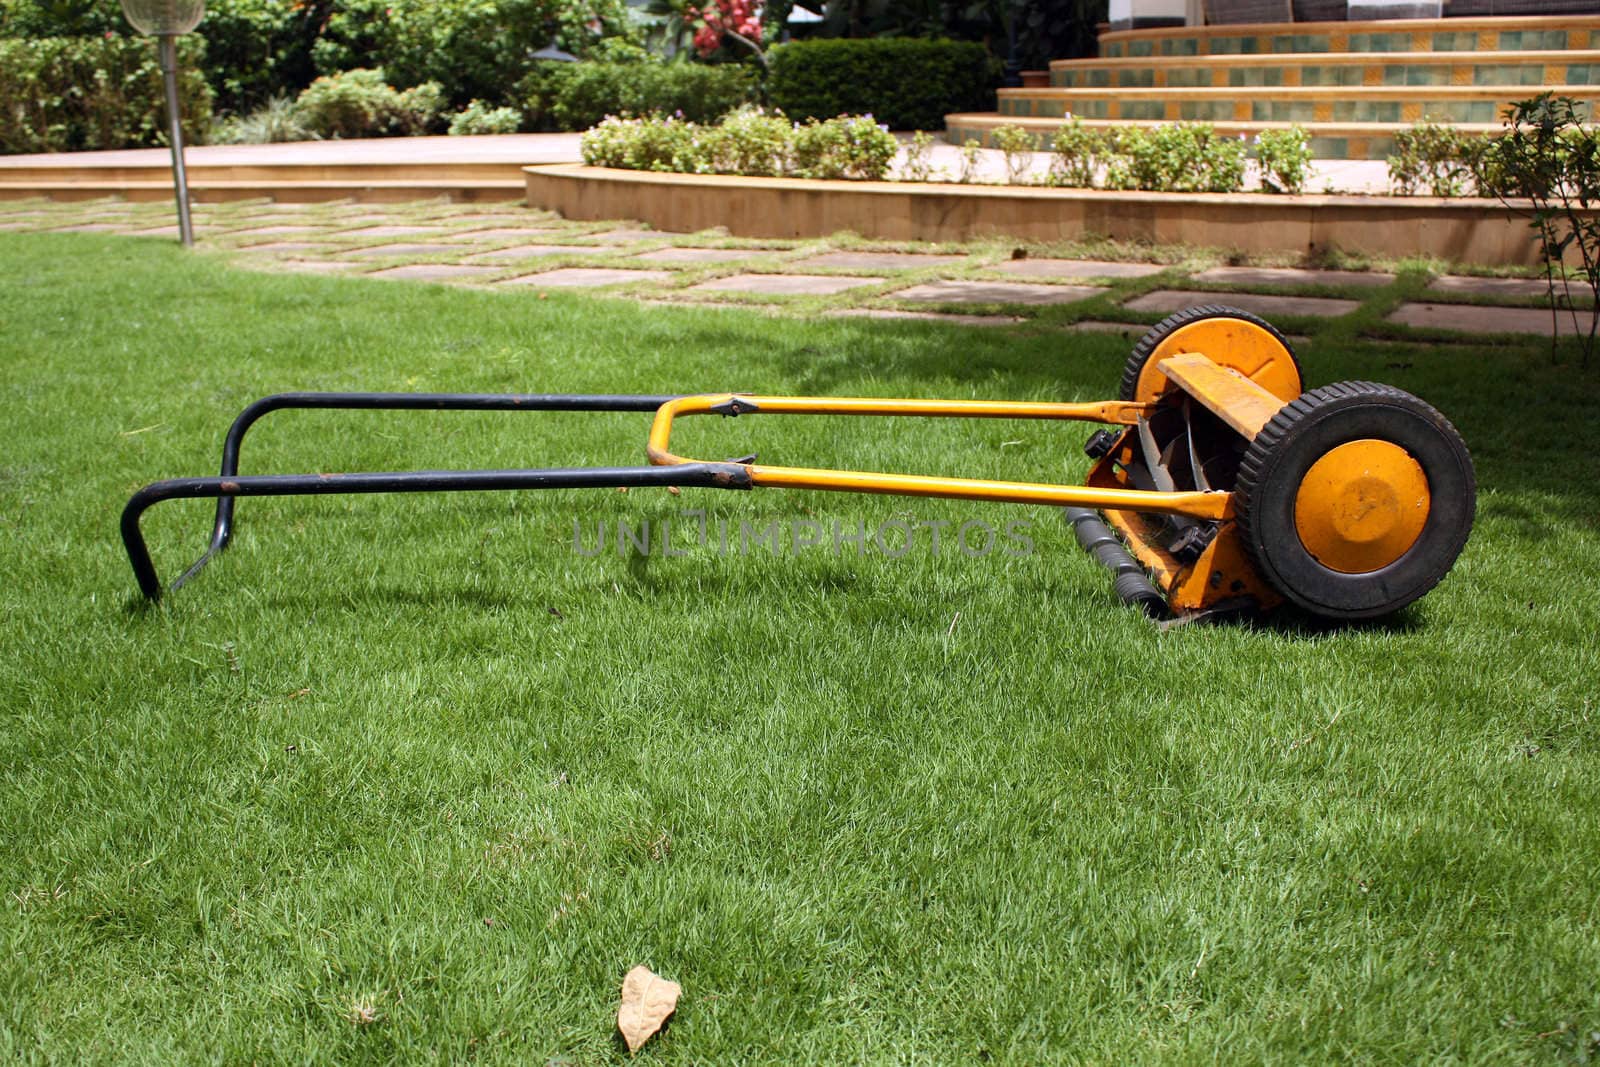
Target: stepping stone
(617,237)
(879,260)
(588,277)
(1177,299)
(315,266)
(285,246)
(997,293)
(700,255)
(782,284)
(159,231)
(1132,332)
(769,310)
(1129,331)
(502,234)
(481,217)
(531,251)
(1076,268)
(1473,319)
(267,231)
(931,316)
(1454,283)
(380,251)
(391,231)
(1292,276)
(433,272)
(88,227)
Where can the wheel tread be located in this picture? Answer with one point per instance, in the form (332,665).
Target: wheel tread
(1253,467)
(1146,346)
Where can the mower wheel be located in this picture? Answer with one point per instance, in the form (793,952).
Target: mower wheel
(1355,499)
(1234,338)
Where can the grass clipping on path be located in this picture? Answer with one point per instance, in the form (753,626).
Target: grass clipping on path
(411,779)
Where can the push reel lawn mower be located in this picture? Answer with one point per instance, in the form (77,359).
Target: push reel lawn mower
(1221,484)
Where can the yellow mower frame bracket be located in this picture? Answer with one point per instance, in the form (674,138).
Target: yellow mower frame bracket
(1199,505)
(1232,397)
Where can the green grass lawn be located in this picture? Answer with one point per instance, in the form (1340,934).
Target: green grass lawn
(403,779)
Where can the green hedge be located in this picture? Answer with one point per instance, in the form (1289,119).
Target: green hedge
(258,49)
(905,83)
(474,49)
(62,94)
(576,96)
(254,48)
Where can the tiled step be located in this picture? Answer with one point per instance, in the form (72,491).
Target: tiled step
(1329,140)
(1303,104)
(1547,33)
(1330,69)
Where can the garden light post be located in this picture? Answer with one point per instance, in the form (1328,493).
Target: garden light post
(167,20)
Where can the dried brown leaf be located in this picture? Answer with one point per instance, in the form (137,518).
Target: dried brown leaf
(647,1000)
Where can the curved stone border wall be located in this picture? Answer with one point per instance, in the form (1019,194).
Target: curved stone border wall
(1463,231)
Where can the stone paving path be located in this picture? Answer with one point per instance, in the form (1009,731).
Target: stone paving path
(1267,305)
(993,282)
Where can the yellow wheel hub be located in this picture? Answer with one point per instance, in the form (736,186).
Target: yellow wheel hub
(1237,344)
(1362,506)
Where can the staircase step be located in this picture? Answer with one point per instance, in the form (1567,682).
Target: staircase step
(1329,140)
(1536,33)
(1303,104)
(1330,69)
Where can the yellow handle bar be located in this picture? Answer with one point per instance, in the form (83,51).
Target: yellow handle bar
(1200,505)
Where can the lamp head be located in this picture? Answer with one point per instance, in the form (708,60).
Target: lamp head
(163,18)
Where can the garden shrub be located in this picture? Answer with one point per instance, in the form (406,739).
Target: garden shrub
(474,49)
(751,141)
(1438,160)
(1078,154)
(1018,145)
(479,118)
(971,159)
(1177,157)
(60,18)
(64,94)
(918,165)
(844,147)
(575,96)
(257,49)
(1181,157)
(1546,166)
(643,144)
(360,103)
(1283,158)
(905,83)
(278,119)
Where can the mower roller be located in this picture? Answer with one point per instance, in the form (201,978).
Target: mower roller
(1218,484)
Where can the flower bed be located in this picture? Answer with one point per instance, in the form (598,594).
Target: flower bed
(1181,157)
(750,141)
